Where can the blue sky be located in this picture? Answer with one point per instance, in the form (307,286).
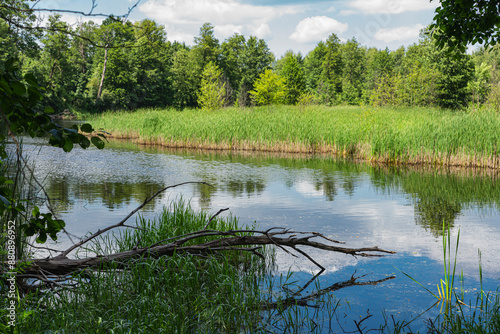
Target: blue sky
(288,24)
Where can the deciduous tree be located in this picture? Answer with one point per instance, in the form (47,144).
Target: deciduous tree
(269,88)
(213,88)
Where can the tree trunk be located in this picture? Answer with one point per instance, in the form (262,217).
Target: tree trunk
(103,72)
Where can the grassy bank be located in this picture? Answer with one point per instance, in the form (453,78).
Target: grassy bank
(387,135)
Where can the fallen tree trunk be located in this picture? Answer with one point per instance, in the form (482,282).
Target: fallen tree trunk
(227,241)
(235,240)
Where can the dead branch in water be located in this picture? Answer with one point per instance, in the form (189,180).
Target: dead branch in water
(224,241)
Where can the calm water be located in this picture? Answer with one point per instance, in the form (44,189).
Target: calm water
(396,209)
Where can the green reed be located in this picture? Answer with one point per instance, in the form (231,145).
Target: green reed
(394,135)
(179,294)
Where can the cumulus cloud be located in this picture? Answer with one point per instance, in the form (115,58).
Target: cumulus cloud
(391,6)
(227,30)
(399,33)
(317,28)
(225,15)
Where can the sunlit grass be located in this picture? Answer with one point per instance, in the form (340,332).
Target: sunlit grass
(178,294)
(391,135)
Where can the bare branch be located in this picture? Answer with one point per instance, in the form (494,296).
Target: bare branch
(69,11)
(122,222)
(303,301)
(213,217)
(227,241)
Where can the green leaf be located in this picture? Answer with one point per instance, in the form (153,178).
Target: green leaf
(30,79)
(42,237)
(35,211)
(68,145)
(87,128)
(29,231)
(18,88)
(84,142)
(97,142)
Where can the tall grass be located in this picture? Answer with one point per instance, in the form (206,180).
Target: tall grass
(392,135)
(178,294)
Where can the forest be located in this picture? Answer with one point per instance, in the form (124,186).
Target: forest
(126,65)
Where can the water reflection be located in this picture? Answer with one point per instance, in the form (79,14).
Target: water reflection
(400,209)
(437,196)
(441,196)
(113,195)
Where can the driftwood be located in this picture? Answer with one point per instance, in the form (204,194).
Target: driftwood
(235,240)
(228,241)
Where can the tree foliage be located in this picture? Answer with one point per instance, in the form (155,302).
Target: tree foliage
(269,89)
(459,23)
(293,74)
(118,64)
(213,90)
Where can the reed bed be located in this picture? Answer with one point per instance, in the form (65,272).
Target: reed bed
(387,135)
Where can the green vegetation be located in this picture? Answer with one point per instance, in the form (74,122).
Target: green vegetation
(179,294)
(389,135)
(455,316)
(118,65)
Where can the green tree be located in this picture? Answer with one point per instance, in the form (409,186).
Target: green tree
(457,70)
(292,72)
(256,59)
(313,64)
(353,72)
(186,79)
(207,47)
(269,88)
(114,36)
(232,50)
(379,64)
(480,86)
(459,23)
(150,61)
(332,69)
(17,32)
(213,90)
(55,68)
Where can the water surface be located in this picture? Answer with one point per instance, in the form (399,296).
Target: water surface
(399,209)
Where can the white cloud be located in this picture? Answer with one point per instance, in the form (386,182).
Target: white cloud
(313,29)
(399,33)
(391,6)
(225,15)
(347,12)
(227,30)
(261,31)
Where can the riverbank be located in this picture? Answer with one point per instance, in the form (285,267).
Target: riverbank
(384,135)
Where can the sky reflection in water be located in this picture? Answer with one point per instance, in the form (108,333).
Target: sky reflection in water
(396,209)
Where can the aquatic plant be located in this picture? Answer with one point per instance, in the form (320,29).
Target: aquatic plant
(387,135)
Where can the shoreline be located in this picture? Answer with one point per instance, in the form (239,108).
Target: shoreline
(387,136)
(439,160)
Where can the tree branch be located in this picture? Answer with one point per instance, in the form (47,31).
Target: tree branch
(122,222)
(226,241)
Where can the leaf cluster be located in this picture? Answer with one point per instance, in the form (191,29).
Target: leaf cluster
(19,98)
(459,23)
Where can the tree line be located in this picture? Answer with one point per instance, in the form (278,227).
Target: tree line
(123,65)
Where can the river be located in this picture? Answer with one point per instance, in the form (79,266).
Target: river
(399,209)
